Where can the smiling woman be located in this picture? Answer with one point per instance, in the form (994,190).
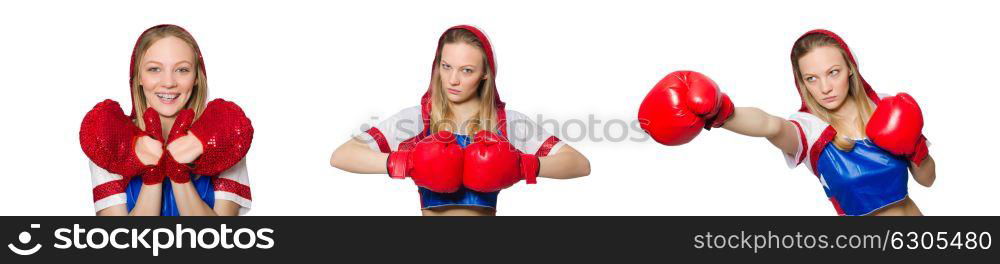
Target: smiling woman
(165,62)
(171,134)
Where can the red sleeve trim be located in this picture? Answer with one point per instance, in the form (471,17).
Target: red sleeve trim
(108,189)
(379,138)
(547,146)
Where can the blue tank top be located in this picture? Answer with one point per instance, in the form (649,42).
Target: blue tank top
(862,180)
(202,184)
(462,197)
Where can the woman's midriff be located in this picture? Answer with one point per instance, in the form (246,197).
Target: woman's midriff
(458,211)
(906,207)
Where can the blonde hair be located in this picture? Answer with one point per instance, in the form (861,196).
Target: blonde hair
(856,92)
(441,114)
(148,38)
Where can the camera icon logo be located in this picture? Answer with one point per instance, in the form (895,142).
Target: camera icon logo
(25,238)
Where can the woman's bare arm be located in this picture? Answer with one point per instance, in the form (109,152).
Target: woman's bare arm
(189,203)
(751,121)
(925,173)
(147,204)
(567,163)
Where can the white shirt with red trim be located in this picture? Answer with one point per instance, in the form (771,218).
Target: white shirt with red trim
(526,135)
(231,185)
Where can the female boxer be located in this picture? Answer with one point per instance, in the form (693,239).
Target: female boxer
(461,146)
(175,154)
(858,143)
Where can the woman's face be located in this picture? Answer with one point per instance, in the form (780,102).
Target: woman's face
(461,70)
(167,75)
(826,76)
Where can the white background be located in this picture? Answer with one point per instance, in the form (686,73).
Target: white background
(309,74)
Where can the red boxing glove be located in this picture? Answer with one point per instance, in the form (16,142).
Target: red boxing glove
(225,133)
(680,105)
(177,172)
(896,127)
(108,137)
(493,164)
(434,163)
